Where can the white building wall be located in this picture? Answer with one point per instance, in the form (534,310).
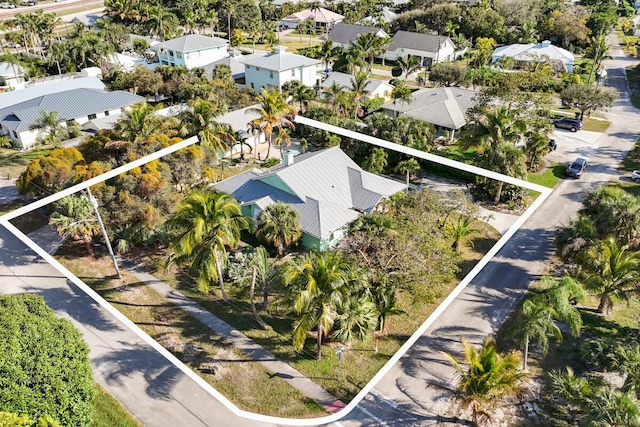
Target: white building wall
(203,57)
(447,53)
(257,78)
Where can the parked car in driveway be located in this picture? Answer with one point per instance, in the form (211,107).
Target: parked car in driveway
(635,176)
(573,125)
(577,168)
(6,5)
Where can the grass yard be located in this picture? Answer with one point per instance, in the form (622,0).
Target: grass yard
(633,77)
(549,177)
(594,123)
(361,362)
(14,162)
(108,412)
(245,382)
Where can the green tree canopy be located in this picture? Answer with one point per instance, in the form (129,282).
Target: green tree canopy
(587,97)
(45,366)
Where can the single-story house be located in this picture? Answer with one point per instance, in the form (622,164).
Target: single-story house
(240,122)
(192,50)
(385,16)
(344,35)
(276,69)
(430,48)
(376,88)
(49,85)
(75,105)
(327,188)
(323,18)
(12,75)
(443,107)
(542,52)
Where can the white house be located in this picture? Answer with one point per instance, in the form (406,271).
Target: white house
(12,75)
(322,17)
(240,122)
(530,52)
(430,48)
(344,35)
(385,16)
(192,50)
(375,88)
(276,69)
(75,105)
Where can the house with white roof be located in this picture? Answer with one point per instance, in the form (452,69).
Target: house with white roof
(344,35)
(527,53)
(12,75)
(327,188)
(79,105)
(240,122)
(375,88)
(443,107)
(276,69)
(385,16)
(430,48)
(192,50)
(322,17)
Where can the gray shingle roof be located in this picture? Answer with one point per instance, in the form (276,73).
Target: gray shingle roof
(445,106)
(417,41)
(192,42)
(280,61)
(346,33)
(70,104)
(326,187)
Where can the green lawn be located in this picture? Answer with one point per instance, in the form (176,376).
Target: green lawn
(14,162)
(633,77)
(549,178)
(108,412)
(593,124)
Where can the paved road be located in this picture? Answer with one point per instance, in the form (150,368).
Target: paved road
(402,397)
(153,390)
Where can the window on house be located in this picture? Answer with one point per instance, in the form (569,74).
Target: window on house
(293,72)
(170,52)
(106,113)
(179,55)
(92,116)
(69,122)
(252,86)
(271,74)
(257,68)
(248,67)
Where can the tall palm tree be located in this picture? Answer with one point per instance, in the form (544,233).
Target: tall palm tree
(331,95)
(401,92)
(537,323)
(327,53)
(161,22)
(275,113)
(58,53)
(408,166)
(489,376)
(359,90)
(200,119)
(207,224)
(74,216)
(371,46)
(354,56)
(302,95)
(494,126)
(614,212)
(612,270)
(279,225)
(409,65)
(319,282)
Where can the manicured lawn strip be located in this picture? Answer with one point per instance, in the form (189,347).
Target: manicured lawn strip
(361,362)
(588,123)
(549,177)
(631,161)
(14,162)
(108,412)
(633,77)
(246,383)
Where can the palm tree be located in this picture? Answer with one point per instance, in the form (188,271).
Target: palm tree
(371,45)
(302,95)
(408,166)
(331,95)
(571,241)
(274,113)
(279,225)
(58,53)
(494,126)
(73,216)
(199,120)
(319,282)
(139,123)
(527,32)
(357,317)
(327,53)
(537,323)
(489,376)
(409,65)
(49,123)
(354,56)
(377,160)
(460,231)
(359,90)
(612,270)
(208,224)
(161,22)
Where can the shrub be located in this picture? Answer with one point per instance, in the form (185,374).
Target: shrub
(45,369)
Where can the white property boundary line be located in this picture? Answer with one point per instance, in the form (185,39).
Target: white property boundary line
(544,193)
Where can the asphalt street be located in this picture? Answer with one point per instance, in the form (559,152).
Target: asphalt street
(405,397)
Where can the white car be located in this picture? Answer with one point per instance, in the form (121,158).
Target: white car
(7,6)
(635,176)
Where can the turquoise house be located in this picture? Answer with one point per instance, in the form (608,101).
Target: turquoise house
(192,50)
(327,188)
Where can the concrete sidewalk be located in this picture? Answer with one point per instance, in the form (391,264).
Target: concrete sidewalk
(240,341)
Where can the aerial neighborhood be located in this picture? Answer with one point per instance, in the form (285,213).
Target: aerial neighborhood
(349,212)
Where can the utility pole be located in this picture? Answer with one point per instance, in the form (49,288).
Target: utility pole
(595,58)
(94,203)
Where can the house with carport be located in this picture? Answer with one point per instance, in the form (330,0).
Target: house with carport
(327,189)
